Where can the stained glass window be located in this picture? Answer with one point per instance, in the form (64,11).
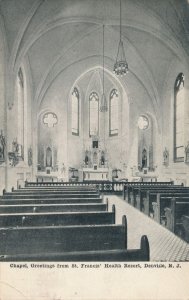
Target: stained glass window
(113,116)
(93,114)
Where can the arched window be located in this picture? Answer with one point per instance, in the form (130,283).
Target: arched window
(75,111)
(179,118)
(20,97)
(93,114)
(113,116)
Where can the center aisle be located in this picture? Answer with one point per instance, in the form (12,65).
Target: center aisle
(164,245)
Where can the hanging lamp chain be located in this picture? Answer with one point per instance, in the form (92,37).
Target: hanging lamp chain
(103,60)
(120,21)
(120,66)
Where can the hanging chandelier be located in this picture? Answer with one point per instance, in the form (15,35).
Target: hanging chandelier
(121,65)
(103,106)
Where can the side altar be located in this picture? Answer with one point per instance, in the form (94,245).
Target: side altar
(95,164)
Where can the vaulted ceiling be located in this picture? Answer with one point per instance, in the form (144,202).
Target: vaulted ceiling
(56,34)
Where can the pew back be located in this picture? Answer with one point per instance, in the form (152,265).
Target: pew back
(54,239)
(38,208)
(56,219)
(118,255)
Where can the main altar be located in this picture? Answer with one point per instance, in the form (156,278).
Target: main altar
(95,165)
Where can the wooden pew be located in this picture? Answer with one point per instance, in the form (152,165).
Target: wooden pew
(59,239)
(185,223)
(117,255)
(50,201)
(136,194)
(49,195)
(39,208)
(174,216)
(155,197)
(129,185)
(143,198)
(57,218)
(54,192)
(164,201)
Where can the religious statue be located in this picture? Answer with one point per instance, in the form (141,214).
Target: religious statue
(166,157)
(48,157)
(86,158)
(102,160)
(144,158)
(63,169)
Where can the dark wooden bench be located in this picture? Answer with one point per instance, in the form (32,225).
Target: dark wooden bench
(185,223)
(49,195)
(142,199)
(57,218)
(56,191)
(174,216)
(121,255)
(130,185)
(49,207)
(137,193)
(56,239)
(50,201)
(164,201)
(155,197)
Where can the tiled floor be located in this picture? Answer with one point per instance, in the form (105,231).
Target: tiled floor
(164,245)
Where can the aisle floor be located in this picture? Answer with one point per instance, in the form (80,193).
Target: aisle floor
(164,245)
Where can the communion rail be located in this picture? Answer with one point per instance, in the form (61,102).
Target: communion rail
(102,186)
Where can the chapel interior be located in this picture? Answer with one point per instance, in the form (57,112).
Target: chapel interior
(94,91)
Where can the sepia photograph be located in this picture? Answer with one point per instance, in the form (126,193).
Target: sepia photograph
(94,149)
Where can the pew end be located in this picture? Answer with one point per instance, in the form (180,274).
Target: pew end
(114,212)
(145,248)
(124,224)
